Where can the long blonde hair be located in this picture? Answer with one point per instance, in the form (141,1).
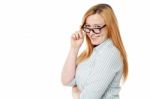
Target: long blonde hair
(109,17)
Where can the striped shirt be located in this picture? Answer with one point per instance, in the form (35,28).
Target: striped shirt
(98,77)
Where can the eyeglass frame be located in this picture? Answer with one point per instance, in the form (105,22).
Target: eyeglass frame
(93,29)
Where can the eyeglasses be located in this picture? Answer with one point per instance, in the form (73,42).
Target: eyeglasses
(95,30)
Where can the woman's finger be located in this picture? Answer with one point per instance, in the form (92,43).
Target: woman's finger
(73,36)
(77,35)
(80,35)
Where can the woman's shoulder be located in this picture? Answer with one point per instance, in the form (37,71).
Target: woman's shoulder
(110,57)
(110,50)
(107,47)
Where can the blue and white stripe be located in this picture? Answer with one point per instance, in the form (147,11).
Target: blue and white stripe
(98,77)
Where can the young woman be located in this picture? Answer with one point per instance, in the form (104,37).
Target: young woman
(96,73)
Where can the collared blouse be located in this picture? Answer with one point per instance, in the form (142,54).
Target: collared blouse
(99,76)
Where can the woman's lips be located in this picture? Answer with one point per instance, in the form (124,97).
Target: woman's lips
(94,37)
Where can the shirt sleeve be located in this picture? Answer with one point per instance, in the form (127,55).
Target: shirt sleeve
(106,65)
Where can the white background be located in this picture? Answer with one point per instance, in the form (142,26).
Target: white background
(35,39)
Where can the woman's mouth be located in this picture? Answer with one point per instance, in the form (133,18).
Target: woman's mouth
(94,37)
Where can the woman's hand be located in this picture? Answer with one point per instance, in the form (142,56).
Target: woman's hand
(77,39)
(75,92)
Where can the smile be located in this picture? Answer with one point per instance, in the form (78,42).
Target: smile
(94,37)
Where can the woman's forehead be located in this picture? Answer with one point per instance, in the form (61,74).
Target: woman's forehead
(95,19)
(94,25)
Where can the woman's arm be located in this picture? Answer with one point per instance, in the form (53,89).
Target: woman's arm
(107,64)
(68,71)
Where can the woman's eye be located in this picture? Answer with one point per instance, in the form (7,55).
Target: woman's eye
(97,26)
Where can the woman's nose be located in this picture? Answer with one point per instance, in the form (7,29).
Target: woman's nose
(91,32)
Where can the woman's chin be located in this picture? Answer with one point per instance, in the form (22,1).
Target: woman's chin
(94,43)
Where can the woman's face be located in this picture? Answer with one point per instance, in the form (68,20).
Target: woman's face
(96,22)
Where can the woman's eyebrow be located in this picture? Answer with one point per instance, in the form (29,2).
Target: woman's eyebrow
(87,25)
(97,25)
(94,26)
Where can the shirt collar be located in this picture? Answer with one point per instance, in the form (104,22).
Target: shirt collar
(103,44)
